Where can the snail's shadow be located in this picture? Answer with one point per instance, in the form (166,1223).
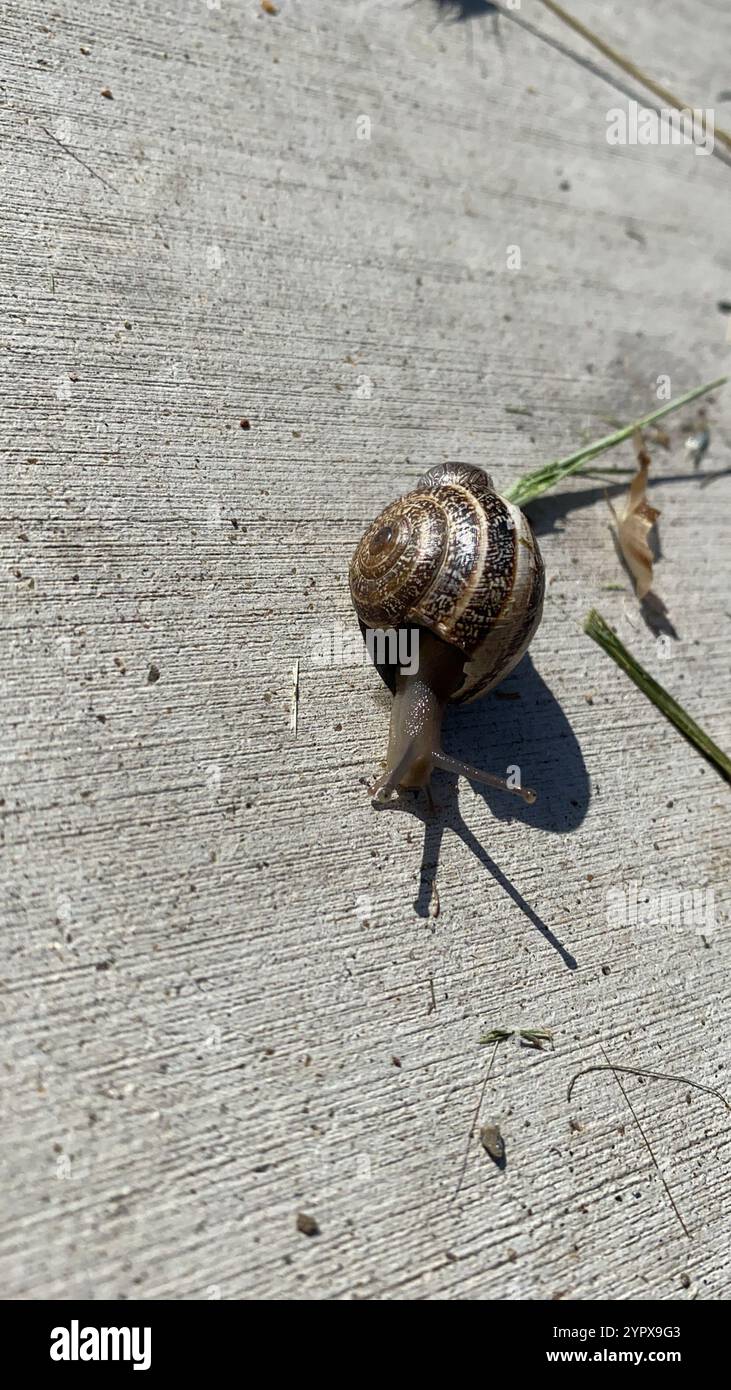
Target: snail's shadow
(520,725)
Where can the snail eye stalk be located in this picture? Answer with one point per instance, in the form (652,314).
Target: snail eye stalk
(473,774)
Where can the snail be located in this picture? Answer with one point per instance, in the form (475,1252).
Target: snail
(455,566)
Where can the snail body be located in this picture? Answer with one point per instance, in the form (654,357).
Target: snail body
(460,565)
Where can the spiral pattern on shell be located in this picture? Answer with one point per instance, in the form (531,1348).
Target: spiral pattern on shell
(457,559)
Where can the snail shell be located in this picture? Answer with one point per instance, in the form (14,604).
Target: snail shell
(457,559)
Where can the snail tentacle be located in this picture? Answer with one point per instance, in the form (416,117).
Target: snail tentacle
(474,774)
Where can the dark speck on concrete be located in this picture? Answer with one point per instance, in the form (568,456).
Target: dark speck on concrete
(307,1224)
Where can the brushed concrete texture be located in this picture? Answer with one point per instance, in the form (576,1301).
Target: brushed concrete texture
(231,993)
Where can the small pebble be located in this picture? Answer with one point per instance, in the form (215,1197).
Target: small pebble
(493,1143)
(307,1224)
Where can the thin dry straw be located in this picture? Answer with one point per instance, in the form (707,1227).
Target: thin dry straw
(475,1117)
(641,1071)
(626,64)
(600,631)
(648,1146)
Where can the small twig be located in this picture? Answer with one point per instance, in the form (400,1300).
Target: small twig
(640,1071)
(475,1117)
(294,712)
(73,155)
(433,1006)
(647,1143)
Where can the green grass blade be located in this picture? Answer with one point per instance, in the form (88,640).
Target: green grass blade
(542,479)
(497,1035)
(596,627)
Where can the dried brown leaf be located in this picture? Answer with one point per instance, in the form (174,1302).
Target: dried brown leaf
(635,522)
